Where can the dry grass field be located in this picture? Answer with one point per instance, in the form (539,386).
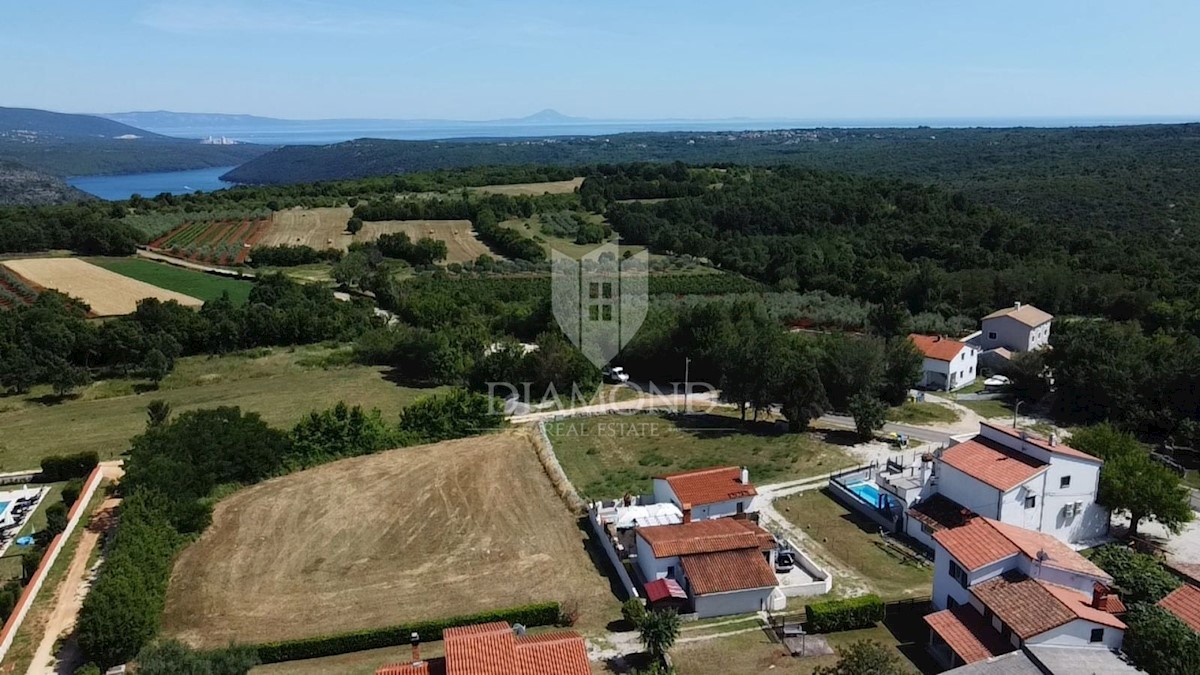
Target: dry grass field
(418,533)
(107,293)
(553,187)
(326,228)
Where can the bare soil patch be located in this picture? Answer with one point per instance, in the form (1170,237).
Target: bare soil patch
(326,228)
(553,187)
(107,293)
(418,533)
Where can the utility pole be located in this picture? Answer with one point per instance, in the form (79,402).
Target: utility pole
(687,363)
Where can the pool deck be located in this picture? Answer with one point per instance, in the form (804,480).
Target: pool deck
(9,526)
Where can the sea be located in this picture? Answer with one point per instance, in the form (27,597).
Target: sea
(151,184)
(322,132)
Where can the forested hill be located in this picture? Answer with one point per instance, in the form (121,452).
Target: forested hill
(1131,175)
(74,145)
(22,186)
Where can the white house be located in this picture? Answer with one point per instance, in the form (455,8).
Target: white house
(726,565)
(1020,328)
(949,364)
(709,493)
(1014,477)
(1000,588)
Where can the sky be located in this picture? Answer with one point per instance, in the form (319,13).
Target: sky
(643,59)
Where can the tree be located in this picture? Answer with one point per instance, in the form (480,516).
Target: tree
(1132,482)
(1159,643)
(354,225)
(64,377)
(800,392)
(1027,372)
(157,413)
(156,366)
(1138,577)
(352,269)
(864,657)
(658,632)
(902,365)
(869,414)
(633,611)
(889,319)
(455,414)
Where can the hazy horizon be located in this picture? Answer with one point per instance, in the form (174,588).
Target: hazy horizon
(469,60)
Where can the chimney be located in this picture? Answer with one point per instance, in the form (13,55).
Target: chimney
(1017,305)
(745,478)
(687,513)
(1099,595)
(1053,439)
(416,648)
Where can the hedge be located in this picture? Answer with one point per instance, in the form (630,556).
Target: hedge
(542,614)
(849,614)
(66,467)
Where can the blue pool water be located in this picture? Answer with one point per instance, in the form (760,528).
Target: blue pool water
(3,505)
(867,492)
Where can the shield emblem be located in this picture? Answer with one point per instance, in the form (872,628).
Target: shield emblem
(600,299)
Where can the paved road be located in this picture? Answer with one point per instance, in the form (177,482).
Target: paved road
(927,434)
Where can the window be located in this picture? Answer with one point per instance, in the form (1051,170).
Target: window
(1064,482)
(991,335)
(1097,635)
(926,529)
(951,603)
(958,574)
(1031,501)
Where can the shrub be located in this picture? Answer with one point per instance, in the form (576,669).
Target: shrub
(542,614)
(71,491)
(455,414)
(66,467)
(1158,642)
(633,611)
(1137,576)
(171,657)
(849,614)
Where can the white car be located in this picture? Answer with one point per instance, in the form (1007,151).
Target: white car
(615,374)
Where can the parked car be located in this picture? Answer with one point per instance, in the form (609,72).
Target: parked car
(615,374)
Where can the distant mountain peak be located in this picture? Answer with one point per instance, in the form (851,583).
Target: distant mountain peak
(549,115)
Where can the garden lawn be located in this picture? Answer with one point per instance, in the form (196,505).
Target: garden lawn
(608,456)
(189,282)
(754,652)
(989,409)
(855,541)
(280,384)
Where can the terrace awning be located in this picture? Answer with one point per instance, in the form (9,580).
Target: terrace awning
(661,589)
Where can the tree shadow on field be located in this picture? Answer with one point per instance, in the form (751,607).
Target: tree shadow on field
(397,377)
(55,399)
(719,426)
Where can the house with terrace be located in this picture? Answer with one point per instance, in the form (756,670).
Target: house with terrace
(948,364)
(719,492)
(1014,477)
(1000,588)
(1009,331)
(725,566)
(500,649)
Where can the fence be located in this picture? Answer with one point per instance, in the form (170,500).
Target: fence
(1194,498)
(18,478)
(39,576)
(614,559)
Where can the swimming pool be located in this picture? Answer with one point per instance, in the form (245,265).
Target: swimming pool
(870,494)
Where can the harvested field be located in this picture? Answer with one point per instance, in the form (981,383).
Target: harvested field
(107,293)
(417,533)
(326,228)
(554,187)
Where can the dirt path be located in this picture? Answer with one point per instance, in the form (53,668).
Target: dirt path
(187,264)
(74,587)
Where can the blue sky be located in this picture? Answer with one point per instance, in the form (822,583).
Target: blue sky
(461,59)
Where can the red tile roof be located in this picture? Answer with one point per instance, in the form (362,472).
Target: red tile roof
(1043,443)
(1080,604)
(493,649)
(421,668)
(1050,550)
(966,632)
(562,653)
(699,536)
(1023,604)
(1184,602)
(992,463)
(1027,314)
(983,541)
(728,571)
(940,512)
(937,347)
(709,486)
(976,544)
(661,589)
